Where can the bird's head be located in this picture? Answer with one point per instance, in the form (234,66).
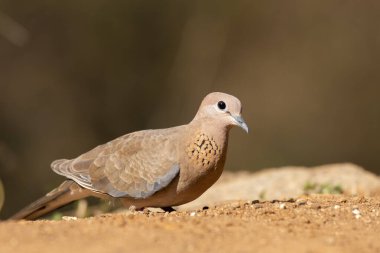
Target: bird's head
(223,108)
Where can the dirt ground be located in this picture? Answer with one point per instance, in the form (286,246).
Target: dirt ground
(315,223)
(227,218)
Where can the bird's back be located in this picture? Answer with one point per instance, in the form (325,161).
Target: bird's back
(135,165)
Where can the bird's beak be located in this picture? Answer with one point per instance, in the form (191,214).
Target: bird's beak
(239,121)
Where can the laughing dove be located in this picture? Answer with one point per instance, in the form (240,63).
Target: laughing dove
(150,168)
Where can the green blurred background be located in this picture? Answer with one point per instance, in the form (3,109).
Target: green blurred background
(74,74)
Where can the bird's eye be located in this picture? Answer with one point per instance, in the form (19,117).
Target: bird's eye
(221,105)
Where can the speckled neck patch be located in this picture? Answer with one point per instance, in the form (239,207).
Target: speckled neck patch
(203,150)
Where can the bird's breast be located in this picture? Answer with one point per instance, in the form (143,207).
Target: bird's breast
(201,165)
(203,151)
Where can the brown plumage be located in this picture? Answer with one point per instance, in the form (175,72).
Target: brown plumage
(156,168)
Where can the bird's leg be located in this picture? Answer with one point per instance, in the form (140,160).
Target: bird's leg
(168,209)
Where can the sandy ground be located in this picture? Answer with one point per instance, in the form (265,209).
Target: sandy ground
(313,224)
(308,223)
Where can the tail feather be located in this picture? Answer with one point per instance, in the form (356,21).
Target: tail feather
(67,192)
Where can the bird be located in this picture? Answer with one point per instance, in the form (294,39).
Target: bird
(149,168)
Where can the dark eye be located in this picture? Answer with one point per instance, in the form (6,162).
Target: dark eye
(221,105)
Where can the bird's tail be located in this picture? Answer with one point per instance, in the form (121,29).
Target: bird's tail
(67,192)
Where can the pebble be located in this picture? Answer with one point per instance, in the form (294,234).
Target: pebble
(301,202)
(342,200)
(192,214)
(356,213)
(282,206)
(336,207)
(68,218)
(154,210)
(315,206)
(235,204)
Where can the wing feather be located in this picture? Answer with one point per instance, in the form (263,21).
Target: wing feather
(135,165)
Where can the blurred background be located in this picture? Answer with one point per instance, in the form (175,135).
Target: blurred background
(75,74)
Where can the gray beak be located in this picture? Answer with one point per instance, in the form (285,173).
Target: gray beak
(240,122)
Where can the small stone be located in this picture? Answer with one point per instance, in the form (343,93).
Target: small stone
(342,200)
(336,207)
(315,206)
(356,213)
(301,202)
(193,214)
(154,210)
(282,206)
(235,204)
(69,218)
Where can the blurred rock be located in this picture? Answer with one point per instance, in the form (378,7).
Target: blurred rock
(288,182)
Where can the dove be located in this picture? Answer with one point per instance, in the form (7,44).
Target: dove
(150,168)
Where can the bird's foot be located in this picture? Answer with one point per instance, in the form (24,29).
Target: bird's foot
(168,209)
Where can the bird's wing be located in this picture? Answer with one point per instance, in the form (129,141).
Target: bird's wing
(135,165)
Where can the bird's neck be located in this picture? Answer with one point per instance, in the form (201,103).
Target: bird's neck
(212,129)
